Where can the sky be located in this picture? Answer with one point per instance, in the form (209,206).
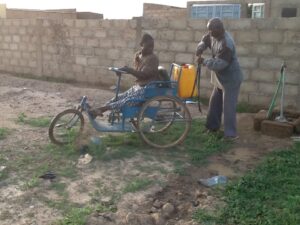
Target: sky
(111,9)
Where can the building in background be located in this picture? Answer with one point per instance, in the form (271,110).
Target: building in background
(2,11)
(46,14)
(163,11)
(234,9)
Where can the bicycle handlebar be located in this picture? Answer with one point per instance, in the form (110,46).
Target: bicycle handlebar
(117,70)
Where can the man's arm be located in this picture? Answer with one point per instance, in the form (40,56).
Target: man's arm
(149,68)
(221,60)
(203,45)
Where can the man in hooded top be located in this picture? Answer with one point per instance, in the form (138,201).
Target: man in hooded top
(145,70)
(226,78)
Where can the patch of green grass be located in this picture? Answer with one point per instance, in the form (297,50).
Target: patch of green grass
(198,145)
(4,174)
(32,183)
(205,217)
(75,214)
(128,139)
(116,147)
(34,122)
(201,145)
(151,168)
(179,167)
(59,188)
(269,195)
(137,185)
(4,132)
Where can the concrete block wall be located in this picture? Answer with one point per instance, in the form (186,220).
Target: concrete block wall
(262,46)
(82,50)
(79,50)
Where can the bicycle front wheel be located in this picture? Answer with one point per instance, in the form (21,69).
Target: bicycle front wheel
(164,122)
(66,127)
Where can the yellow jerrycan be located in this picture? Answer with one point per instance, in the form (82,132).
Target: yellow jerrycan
(185,75)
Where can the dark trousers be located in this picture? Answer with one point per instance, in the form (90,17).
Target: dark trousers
(223,101)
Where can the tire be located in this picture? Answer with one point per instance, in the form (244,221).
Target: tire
(164,121)
(66,132)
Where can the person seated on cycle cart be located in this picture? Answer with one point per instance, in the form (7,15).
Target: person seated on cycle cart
(146,70)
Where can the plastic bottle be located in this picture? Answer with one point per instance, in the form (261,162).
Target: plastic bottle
(214,180)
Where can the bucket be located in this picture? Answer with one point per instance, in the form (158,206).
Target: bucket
(185,75)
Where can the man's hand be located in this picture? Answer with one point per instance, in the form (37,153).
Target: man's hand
(127,69)
(200,60)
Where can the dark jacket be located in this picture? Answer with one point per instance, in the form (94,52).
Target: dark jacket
(147,69)
(224,60)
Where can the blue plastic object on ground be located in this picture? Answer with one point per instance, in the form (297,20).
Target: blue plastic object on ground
(213,181)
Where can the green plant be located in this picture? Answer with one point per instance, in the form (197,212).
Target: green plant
(205,217)
(33,182)
(4,132)
(179,167)
(76,216)
(269,195)
(201,145)
(137,185)
(35,122)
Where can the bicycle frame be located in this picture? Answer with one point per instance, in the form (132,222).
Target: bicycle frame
(157,110)
(128,112)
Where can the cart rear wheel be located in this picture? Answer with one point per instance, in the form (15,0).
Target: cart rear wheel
(66,127)
(164,121)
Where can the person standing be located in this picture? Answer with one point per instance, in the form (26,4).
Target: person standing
(226,78)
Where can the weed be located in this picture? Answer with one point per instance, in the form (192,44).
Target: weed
(34,122)
(3,174)
(204,217)
(76,216)
(59,188)
(137,185)
(179,167)
(200,145)
(32,183)
(4,132)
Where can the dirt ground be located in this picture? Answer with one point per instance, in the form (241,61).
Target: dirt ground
(172,203)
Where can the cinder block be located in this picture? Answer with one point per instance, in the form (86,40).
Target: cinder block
(277,129)
(296,124)
(184,36)
(271,36)
(288,50)
(177,46)
(247,37)
(258,119)
(166,35)
(248,62)
(178,24)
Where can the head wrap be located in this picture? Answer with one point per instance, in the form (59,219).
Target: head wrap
(147,38)
(215,24)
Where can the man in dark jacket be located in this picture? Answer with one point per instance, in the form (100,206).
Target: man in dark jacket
(226,77)
(145,71)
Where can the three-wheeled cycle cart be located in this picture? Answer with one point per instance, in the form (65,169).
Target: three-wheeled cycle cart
(161,118)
